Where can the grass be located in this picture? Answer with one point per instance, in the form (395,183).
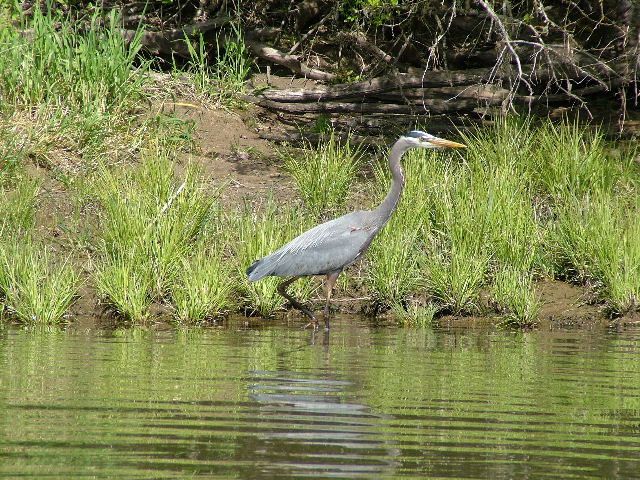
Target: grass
(37,287)
(202,288)
(151,222)
(325,175)
(226,78)
(18,206)
(598,242)
(89,72)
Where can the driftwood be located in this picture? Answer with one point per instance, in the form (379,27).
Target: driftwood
(428,105)
(379,85)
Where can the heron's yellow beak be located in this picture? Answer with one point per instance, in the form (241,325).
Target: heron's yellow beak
(441,142)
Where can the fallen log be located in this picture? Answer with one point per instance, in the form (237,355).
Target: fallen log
(172,41)
(379,85)
(428,105)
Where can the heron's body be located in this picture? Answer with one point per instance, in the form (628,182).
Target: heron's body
(328,248)
(332,246)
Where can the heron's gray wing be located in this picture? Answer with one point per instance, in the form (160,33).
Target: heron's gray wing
(327,247)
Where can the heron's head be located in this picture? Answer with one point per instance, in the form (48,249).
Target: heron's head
(417,138)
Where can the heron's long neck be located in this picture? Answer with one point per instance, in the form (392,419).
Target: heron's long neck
(388,205)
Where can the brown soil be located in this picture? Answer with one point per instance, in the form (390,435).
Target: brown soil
(231,152)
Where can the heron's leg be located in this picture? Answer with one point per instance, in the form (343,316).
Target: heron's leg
(331,281)
(282,290)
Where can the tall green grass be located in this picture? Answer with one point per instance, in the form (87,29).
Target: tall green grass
(324,175)
(63,64)
(224,77)
(527,201)
(598,242)
(36,286)
(152,225)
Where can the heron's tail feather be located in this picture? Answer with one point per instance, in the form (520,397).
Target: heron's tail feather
(257,271)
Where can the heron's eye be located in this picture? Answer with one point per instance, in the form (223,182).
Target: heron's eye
(422,139)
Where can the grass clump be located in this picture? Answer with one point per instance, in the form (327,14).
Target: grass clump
(598,241)
(514,296)
(150,224)
(201,289)
(68,89)
(37,288)
(324,176)
(18,207)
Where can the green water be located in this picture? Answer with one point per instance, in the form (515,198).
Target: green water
(278,402)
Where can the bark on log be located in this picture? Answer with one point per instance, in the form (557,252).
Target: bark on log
(169,42)
(379,85)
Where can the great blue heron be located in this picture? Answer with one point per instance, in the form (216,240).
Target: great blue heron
(331,246)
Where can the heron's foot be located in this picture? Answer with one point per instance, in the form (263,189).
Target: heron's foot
(313,323)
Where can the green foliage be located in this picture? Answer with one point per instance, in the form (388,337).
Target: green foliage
(90,71)
(415,315)
(225,79)
(527,201)
(368,11)
(202,287)
(598,242)
(18,207)
(150,224)
(11,152)
(37,287)
(513,294)
(127,284)
(324,175)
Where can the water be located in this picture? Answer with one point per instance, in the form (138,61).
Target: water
(278,402)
